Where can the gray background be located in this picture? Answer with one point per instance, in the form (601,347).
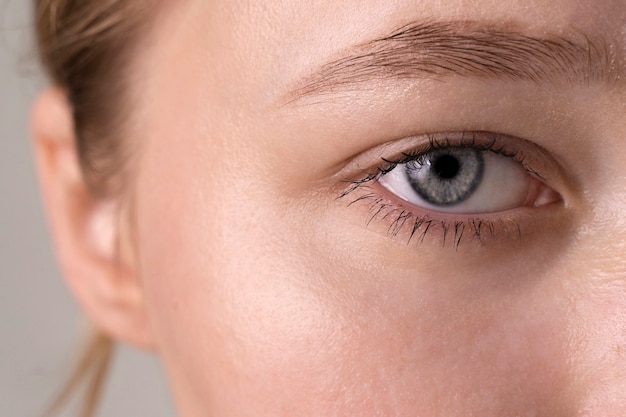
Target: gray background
(39,322)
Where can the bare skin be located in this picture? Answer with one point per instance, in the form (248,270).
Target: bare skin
(266,293)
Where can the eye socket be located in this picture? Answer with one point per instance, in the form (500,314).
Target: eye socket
(463,179)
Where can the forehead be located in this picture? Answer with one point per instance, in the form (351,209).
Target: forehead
(249,54)
(303,16)
(275,42)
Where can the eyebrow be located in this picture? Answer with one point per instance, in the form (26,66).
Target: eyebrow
(432,50)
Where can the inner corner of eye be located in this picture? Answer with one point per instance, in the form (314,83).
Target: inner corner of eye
(545,196)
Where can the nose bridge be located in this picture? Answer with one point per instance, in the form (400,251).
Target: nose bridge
(596,287)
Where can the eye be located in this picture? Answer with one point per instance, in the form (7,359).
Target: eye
(464,179)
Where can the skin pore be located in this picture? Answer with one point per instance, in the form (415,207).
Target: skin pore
(257,251)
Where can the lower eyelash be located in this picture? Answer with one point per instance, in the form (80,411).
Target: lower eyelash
(402,221)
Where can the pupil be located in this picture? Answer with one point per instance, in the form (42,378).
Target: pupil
(446,167)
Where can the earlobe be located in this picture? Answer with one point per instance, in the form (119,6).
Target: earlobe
(87,229)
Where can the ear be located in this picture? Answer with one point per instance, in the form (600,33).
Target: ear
(91,245)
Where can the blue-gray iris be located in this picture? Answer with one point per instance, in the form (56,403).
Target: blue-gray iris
(448,176)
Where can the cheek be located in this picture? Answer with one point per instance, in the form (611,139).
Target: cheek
(236,323)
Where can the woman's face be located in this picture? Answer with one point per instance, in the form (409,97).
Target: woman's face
(289,269)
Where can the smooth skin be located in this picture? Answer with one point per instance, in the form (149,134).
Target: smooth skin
(264,294)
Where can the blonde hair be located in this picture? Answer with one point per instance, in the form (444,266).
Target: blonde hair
(85,47)
(89,376)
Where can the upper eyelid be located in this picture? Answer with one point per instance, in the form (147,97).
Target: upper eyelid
(489,146)
(373,162)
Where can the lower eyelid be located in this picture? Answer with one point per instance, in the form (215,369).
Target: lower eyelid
(414,226)
(389,198)
(399,219)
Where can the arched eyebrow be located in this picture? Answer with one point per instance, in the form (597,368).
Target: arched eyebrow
(468,49)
